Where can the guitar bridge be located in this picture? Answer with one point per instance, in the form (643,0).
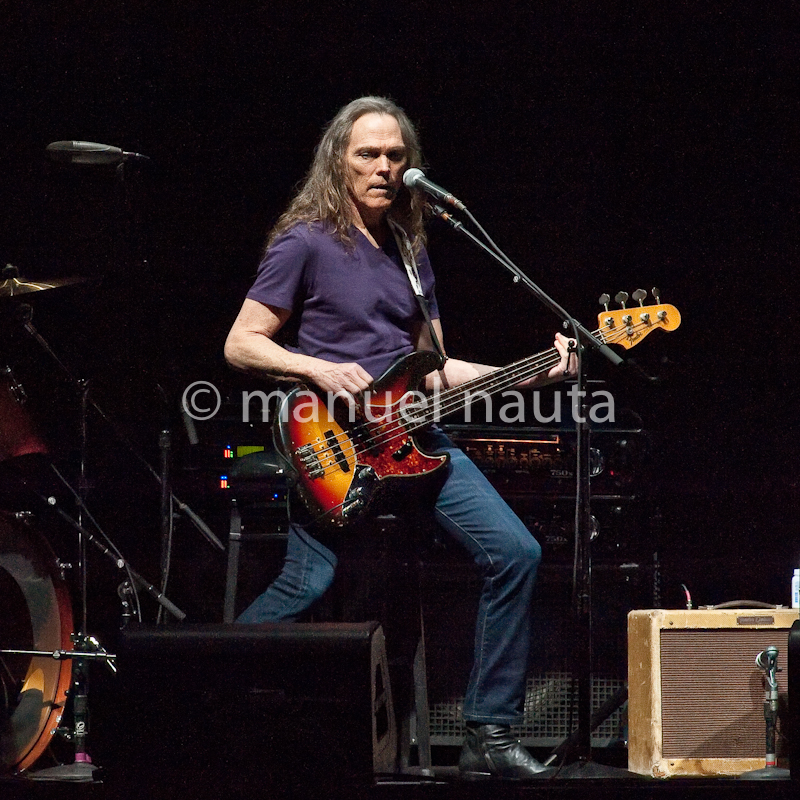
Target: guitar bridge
(310,461)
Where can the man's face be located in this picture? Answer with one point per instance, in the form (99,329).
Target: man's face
(375,161)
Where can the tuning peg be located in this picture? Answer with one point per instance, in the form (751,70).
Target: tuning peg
(621,298)
(604,300)
(657,294)
(640,295)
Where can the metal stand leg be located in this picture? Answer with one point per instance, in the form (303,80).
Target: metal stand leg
(232,576)
(421,708)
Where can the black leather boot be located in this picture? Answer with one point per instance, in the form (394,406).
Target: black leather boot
(490,751)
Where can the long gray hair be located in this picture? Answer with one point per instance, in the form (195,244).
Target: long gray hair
(324,196)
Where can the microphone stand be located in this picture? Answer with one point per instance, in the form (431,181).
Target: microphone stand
(583,767)
(767,661)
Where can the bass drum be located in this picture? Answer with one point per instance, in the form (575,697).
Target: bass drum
(35,614)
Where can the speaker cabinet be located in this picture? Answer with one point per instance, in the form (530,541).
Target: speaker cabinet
(696,696)
(252,711)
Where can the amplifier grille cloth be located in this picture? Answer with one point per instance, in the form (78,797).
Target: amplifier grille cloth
(712,692)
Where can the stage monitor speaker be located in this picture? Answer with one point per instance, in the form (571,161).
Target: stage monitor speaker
(696,696)
(252,711)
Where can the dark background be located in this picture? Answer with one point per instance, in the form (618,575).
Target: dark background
(605,147)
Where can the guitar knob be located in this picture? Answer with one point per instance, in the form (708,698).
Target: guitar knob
(621,298)
(639,295)
(367,473)
(352,508)
(604,300)
(657,294)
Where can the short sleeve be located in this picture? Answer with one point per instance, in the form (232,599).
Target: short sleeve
(281,272)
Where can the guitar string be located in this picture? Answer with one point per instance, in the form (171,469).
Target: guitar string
(453,399)
(398,429)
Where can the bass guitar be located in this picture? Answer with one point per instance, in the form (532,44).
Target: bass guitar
(345,459)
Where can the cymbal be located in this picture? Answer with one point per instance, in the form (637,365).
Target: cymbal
(14,285)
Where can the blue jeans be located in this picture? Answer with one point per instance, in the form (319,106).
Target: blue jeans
(470,510)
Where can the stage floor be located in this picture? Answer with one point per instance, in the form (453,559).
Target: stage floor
(591,780)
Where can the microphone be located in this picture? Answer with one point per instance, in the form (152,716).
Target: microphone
(767,659)
(90,153)
(415,179)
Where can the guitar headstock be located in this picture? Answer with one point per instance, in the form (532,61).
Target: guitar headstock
(628,326)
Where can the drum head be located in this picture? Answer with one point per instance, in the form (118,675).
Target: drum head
(35,614)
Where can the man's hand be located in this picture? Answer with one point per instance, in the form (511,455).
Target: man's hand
(568,366)
(333,378)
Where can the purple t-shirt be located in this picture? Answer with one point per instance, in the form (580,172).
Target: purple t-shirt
(353,304)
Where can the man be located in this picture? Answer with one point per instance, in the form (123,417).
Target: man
(335,264)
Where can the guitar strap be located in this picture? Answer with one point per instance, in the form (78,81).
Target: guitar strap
(410,263)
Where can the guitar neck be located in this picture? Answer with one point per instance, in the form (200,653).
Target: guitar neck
(626,327)
(459,397)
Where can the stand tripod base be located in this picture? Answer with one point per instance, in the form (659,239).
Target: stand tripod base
(594,771)
(77,772)
(766,774)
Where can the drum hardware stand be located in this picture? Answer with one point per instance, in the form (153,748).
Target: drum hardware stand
(86,646)
(583,767)
(98,653)
(126,588)
(82,769)
(87,649)
(15,388)
(165,447)
(25,314)
(126,592)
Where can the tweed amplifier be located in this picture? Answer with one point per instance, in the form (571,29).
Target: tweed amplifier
(696,696)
